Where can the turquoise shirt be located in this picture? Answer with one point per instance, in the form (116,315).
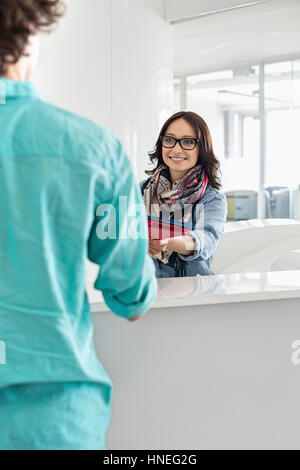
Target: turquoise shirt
(56,169)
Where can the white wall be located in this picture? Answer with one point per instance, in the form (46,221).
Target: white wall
(74,70)
(141,75)
(111,61)
(213,116)
(237,172)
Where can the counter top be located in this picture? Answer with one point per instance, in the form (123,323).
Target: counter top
(227,288)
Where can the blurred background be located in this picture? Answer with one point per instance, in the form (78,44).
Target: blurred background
(130,64)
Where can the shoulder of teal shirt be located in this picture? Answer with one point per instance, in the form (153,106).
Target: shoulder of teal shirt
(78,137)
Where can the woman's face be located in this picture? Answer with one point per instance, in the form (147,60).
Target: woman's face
(177,159)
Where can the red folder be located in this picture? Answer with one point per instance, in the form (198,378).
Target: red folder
(160,229)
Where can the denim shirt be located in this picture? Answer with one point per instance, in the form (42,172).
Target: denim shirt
(209,217)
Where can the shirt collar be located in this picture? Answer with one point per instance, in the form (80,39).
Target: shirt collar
(10,89)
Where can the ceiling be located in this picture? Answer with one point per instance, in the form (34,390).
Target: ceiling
(176,11)
(237,38)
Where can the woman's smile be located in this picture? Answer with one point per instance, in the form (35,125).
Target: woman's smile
(177,159)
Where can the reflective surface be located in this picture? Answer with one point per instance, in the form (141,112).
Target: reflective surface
(202,290)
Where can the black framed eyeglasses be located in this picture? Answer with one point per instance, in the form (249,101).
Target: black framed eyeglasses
(185,143)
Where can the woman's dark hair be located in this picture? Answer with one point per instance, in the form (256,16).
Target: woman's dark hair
(18,20)
(206,156)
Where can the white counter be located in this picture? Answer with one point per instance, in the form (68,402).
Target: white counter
(208,367)
(221,289)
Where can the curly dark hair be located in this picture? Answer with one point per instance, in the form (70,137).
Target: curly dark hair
(206,156)
(18,20)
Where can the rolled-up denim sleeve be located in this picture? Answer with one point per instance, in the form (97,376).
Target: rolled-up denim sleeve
(210,220)
(127,273)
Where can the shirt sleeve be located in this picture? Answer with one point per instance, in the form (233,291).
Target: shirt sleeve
(211,216)
(118,241)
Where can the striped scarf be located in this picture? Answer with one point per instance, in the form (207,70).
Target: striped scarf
(174,196)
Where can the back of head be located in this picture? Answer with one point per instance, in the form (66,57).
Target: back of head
(19,19)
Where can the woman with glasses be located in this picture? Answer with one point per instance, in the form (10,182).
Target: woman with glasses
(183,192)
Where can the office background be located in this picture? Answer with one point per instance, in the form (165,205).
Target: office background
(129,64)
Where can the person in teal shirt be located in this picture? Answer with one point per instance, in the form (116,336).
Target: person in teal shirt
(57,170)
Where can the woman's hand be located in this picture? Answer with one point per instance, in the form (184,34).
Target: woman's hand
(185,245)
(157,246)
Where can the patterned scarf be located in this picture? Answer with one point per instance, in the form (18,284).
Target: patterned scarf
(186,191)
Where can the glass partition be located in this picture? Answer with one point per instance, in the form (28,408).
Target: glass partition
(229,102)
(282,181)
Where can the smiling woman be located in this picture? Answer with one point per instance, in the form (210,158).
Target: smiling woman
(185,184)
